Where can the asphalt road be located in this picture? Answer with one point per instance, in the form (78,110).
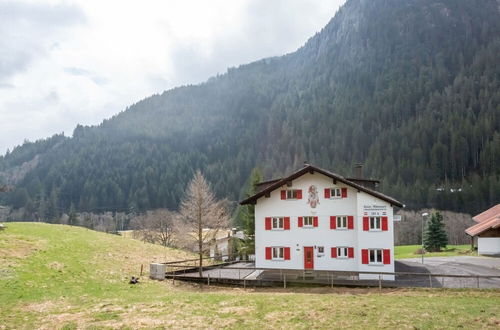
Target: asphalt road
(461,265)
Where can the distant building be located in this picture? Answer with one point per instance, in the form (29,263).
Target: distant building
(221,245)
(486,231)
(314,219)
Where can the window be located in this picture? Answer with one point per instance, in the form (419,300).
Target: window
(278,253)
(278,223)
(335,193)
(342,222)
(291,194)
(321,249)
(375,256)
(341,252)
(375,223)
(308,221)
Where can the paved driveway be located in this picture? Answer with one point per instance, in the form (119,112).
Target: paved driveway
(460,265)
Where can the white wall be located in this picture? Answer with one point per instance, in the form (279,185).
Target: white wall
(296,238)
(488,245)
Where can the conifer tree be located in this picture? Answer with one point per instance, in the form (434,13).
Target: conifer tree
(435,236)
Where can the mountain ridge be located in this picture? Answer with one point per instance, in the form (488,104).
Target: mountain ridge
(410,88)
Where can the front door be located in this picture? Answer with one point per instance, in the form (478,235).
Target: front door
(308,257)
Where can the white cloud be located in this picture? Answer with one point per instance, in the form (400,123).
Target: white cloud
(64,63)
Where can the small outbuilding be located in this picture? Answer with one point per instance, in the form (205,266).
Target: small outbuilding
(487,231)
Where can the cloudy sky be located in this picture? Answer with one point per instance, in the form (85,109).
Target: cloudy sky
(69,62)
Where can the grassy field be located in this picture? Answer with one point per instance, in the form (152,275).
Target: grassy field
(62,277)
(408,251)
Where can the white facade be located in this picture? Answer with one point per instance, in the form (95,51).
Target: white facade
(488,245)
(356,204)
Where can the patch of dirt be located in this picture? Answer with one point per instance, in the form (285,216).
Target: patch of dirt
(15,248)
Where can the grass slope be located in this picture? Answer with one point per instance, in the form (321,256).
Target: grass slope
(408,251)
(66,277)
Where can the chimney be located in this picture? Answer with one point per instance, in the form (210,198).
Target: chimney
(358,171)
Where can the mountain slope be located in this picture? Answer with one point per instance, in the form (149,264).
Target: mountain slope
(410,88)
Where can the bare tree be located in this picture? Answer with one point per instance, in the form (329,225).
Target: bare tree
(201,210)
(155,226)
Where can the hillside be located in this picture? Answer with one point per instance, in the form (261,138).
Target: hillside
(61,277)
(411,88)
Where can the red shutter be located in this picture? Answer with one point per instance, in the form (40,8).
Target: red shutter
(287,223)
(385,224)
(333,222)
(327,192)
(366,223)
(334,252)
(299,193)
(268,223)
(350,222)
(283,194)
(287,253)
(269,253)
(350,252)
(344,192)
(387,257)
(364,256)
(315,221)
(300,222)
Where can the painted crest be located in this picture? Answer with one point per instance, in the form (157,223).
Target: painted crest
(313,198)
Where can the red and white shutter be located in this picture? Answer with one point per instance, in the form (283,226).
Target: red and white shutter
(287,253)
(327,192)
(366,224)
(268,223)
(315,222)
(286,225)
(385,224)
(364,256)
(301,222)
(299,193)
(350,252)
(334,252)
(269,253)
(350,222)
(333,222)
(387,257)
(344,192)
(283,194)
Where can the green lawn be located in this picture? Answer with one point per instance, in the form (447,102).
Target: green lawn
(55,276)
(409,251)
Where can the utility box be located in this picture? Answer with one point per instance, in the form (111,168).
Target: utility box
(157,271)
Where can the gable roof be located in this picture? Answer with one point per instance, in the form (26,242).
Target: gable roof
(275,184)
(488,214)
(489,219)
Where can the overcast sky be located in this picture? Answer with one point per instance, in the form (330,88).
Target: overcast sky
(64,63)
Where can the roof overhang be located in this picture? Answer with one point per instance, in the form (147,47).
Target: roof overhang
(311,169)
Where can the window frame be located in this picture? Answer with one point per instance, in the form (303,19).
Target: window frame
(339,219)
(277,250)
(278,221)
(376,220)
(376,254)
(344,255)
(308,218)
(293,194)
(335,193)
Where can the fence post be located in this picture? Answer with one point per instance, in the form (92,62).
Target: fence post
(477,279)
(239,273)
(141,269)
(331,276)
(244,283)
(430,280)
(380,282)
(284,281)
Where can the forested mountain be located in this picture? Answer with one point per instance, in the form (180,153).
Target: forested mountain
(411,88)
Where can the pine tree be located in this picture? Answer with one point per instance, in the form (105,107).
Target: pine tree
(435,236)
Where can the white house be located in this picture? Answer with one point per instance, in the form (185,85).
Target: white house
(314,219)
(487,231)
